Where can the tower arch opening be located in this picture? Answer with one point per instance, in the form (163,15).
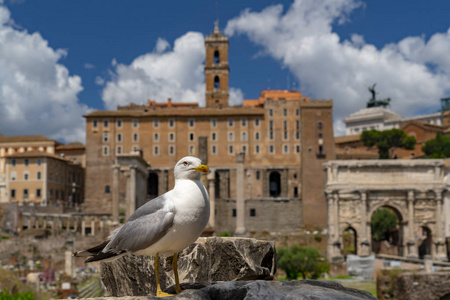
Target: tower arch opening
(216,82)
(216,57)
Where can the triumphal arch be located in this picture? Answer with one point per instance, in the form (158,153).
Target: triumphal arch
(413,189)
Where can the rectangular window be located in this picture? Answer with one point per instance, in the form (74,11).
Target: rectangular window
(297,148)
(171,150)
(285,149)
(258,175)
(156,137)
(243,136)
(213,149)
(119,150)
(94,123)
(13,162)
(244,148)
(271,125)
(271,135)
(25,193)
(285,135)
(285,125)
(297,124)
(38,175)
(105,137)
(26,176)
(119,123)
(244,122)
(252,212)
(297,135)
(171,137)
(105,151)
(256,122)
(285,112)
(271,149)
(13,175)
(213,123)
(257,136)
(171,122)
(135,137)
(234,212)
(230,123)
(156,150)
(191,137)
(230,136)
(230,149)
(135,123)
(156,123)
(297,112)
(213,136)
(26,162)
(191,150)
(256,148)
(105,123)
(119,137)
(39,161)
(270,112)
(13,193)
(191,122)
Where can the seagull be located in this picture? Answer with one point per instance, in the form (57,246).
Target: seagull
(164,225)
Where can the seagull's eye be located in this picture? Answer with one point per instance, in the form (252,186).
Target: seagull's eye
(185,163)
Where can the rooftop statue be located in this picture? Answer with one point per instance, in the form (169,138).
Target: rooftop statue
(373,102)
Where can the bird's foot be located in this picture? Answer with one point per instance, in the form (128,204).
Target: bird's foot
(160,293)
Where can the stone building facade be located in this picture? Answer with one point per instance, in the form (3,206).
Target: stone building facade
(416,190)
(276,185)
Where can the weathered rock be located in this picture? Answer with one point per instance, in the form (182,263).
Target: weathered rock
(273,290)
(415,285)
(208,260)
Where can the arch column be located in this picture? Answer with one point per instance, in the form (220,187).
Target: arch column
(364,249)
(411,244)
(334,243)
(440,239)
(212,198)
(115,194)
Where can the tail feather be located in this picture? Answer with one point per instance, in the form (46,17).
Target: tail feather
(91,251)
(97,253)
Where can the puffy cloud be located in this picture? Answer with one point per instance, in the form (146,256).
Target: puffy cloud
(415,73)
(164,73)
(37,94)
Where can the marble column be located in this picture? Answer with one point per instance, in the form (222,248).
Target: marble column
(334,241)
(240,201)
(411,244)
(212,199)
(364,249)
(115,194)
(440,239)
(131,205)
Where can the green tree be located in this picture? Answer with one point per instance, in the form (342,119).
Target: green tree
(387,140)
(382,222)
(304,260)
(438,147)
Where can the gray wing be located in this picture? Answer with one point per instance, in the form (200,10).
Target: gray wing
(144,228)
(151,206)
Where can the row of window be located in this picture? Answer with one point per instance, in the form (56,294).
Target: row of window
(26,162)
(252,212)
(214,149)
(171,122)
(285,112)
(191,136)
(25,194)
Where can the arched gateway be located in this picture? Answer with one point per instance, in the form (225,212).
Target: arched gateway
(412,188)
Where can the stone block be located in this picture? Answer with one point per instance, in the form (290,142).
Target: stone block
(207,260)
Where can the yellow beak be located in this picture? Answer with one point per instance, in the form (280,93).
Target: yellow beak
(202,169)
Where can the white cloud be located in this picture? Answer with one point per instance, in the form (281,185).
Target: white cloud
(89,66)
(415,73)
(37,94)
(175,73)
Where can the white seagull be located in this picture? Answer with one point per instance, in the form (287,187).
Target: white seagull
(163,226)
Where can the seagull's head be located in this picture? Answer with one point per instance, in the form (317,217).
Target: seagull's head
(189,167)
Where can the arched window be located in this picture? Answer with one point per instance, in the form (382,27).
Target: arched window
(216,82)
(275,184)
(216,57)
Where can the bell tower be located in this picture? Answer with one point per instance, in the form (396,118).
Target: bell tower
(216,69)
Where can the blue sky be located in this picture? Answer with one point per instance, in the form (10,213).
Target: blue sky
(61,59)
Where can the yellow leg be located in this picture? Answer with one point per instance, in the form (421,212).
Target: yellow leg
(175,273)
(159,292)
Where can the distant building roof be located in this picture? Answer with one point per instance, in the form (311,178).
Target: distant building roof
(71,146)
(35,153)
(25,138)
(275,95)
(371,114)
(347,139)
(158,105)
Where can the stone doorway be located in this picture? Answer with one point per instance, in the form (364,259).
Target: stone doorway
(425,242)
(152,185)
